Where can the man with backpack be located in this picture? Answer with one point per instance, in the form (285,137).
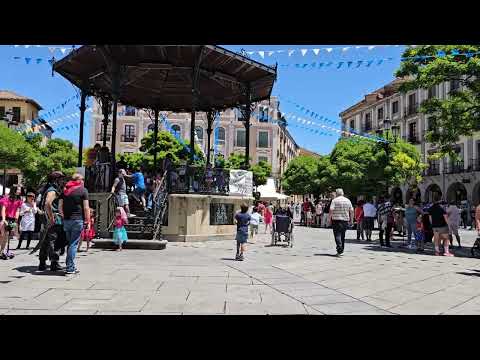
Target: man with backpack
(54,237)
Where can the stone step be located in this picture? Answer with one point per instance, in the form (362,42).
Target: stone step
(132,244)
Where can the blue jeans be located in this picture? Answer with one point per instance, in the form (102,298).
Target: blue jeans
(73,229)
(411,229)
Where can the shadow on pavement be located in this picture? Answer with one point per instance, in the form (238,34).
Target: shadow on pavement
(230,259)
(34,271)
(477,273)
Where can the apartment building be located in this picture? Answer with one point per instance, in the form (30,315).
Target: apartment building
(270,141)
(17,111)
(456,180)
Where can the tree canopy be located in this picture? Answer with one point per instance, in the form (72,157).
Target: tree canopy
(15,151)
(457,115)
(359,167)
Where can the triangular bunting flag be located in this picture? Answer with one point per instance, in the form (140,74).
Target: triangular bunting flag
(290,52)
(17,57)
(340,64)
(27,60)
(270,53)
(371,47)
(380,62)
(359,62)
(250,52)
(27,46)
(329,49)
(63,50)
(316,51)
(304,51)
(369,63)
(262,54)
(52,50)
(328,64)
(349,63)
(39,60)
(345,48)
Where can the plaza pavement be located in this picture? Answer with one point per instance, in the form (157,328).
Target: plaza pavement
(203,278)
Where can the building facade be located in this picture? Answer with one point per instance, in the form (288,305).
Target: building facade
(456,180)
(17,111)
(269,140)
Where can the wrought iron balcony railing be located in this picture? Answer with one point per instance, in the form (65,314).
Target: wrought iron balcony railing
(197,179)
(432,170)
(456,167)
(100,137)
(127,138)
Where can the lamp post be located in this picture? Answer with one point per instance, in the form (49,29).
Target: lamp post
(9,119)
(388,141)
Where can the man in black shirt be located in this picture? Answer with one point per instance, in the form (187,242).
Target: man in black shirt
(438,218)
(74,208)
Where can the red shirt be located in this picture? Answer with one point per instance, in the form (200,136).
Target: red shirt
(11,206)
(358,214)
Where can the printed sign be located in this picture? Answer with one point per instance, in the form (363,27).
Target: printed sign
(241,182)
(221,214)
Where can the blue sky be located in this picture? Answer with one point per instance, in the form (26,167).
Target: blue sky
(325,91)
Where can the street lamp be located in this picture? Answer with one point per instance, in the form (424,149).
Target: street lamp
(9,119)
(388,141)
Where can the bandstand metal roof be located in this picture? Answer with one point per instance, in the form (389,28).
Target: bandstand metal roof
(162,76)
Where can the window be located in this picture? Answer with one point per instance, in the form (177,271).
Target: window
(412,104)
(432,92)
(220,136)
(16,114)
(395,107)
(412,132)
(263,112)
(2,112)
(129,133)
(263,158)
(239,115)
(199,133)
(352,124)
(129,111)
(380,113)
(454,85)
(240,138)
(263,139)
(368,122)
(176,131)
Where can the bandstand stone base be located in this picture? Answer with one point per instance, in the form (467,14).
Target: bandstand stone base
(189,217)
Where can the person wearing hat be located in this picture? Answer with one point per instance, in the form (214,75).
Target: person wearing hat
(28,210)
(54,239)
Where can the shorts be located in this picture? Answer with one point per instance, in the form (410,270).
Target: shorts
(122,199)
(309,215)
(368,223)
(453,229)
(140,191)
(253,229)
(241,237)
(441,230)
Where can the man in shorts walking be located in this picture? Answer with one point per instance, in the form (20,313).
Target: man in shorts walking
(453,213)
(341,216)
(369,214)
(438,218)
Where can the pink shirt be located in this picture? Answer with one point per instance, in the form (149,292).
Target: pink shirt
(11,206)
(119,222)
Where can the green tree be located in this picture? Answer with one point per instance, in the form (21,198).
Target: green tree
(459,114)
(299,177)
(362,167)
(15,151)
(56,154)
(236,161)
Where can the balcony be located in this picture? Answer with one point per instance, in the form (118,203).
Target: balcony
(127,138)
(474,165)
(100,137)
(412,109)
(432,170)
(413,138)
(456,167)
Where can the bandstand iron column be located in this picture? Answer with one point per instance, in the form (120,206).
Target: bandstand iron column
(82,122)
(210,119)
(106,112)
(246,112)
(155,135)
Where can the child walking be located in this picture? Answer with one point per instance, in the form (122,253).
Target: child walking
(242,219)
(88,233)
(28,211)
(420,234)
(119,233)
(254,222)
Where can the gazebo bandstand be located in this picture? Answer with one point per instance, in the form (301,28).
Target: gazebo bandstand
(176,78)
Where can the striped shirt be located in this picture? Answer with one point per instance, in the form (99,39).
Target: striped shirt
(340,208)
(385,211)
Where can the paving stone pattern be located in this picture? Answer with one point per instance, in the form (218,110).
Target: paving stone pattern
(203,278)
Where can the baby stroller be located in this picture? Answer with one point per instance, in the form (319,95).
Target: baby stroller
(282,226)
(476,248)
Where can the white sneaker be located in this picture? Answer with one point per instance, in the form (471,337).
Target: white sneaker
(131,215)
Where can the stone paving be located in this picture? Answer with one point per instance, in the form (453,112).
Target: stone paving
(203,278)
